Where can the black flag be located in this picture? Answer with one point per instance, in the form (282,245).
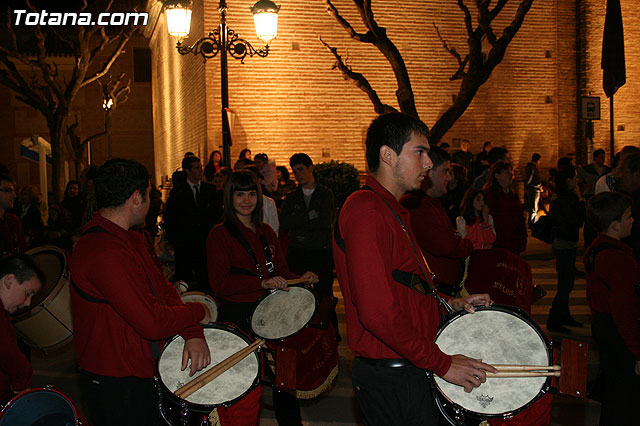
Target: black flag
(613,67)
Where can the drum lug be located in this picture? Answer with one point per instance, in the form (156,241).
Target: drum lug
(184,413)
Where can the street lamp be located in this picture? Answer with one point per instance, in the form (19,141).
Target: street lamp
(223,39)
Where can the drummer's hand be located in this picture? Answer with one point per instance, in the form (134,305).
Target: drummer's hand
(467,303)
(313,278)
(275,282)
(197,350)
(638,367)
(207,315)
(467,372)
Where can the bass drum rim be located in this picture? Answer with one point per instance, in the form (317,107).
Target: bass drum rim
(207,408)
(47,388)
(513,310)
(54,289)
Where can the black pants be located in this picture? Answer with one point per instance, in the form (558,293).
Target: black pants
(393,396)
(621,393)
(122,401)
(191,265)
(285,405)
(566,270)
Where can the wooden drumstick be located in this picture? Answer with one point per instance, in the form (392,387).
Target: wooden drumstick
(217,370)
(299,281)
(514,374)
(515,367)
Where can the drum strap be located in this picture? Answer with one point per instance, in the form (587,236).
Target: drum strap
(590,257)
(235,233)
(154,346)
(409,279)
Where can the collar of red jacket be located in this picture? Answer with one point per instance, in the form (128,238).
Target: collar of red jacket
(373,183)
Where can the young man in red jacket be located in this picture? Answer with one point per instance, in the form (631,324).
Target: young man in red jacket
(443,248)
(392,326)
(613,291)
(123,306)
(19,281)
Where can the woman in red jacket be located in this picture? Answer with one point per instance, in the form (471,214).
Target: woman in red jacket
(506,209)
(245,261)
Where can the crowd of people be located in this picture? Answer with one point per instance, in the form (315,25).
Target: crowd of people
(238,232)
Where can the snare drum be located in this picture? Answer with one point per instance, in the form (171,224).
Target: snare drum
(497,335)
(224,390)
(205,299)
(305,358)
(47,323)
(40,406)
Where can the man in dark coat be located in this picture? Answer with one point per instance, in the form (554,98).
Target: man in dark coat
(192,210)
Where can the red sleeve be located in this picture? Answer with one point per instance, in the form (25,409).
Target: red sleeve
(622,275)
(222,250)
(436,238)
(121,280)
(13,363)
(375,295)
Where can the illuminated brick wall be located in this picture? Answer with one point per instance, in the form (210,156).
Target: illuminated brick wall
(293,101)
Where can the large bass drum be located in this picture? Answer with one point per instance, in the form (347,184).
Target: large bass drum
(225,390)
(496,335)
(46,406)
(47,323)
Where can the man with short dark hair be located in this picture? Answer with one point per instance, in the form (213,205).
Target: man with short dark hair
(123,307)
(20,280)
(464,156)
(589,174)
(444,250)
(495,154)
(308,214)
(12,239)
(532,187)
(392,318)
(193,208)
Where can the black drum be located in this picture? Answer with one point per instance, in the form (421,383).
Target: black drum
(497,334)
(224,390)
(46,406)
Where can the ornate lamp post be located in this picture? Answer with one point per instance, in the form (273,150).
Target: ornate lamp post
(223,40)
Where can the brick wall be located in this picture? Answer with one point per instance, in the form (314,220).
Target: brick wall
(626,101)
(293,101)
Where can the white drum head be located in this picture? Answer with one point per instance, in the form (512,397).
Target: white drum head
(283,313)
(196,296)
(230,385)
(495,337)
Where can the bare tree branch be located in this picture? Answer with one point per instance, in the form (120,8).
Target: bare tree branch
(365,38)
(359,80)
(460,73)
(467,17)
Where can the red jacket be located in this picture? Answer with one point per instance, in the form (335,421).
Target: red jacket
(385,319)
(224,252)
(508,218)
(113,339)
(12,238)
(16,372)
(444,250)
(611,289)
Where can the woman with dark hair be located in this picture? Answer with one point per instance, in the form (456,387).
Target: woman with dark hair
(245,154)
(245,261)
(213,166)
(567,216)
(456,188)
(73,203)
(475,223)
(506,209)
